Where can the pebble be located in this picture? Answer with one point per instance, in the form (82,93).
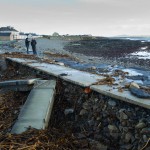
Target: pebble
(83,112)
(128,137)
(140,125)
(68,111)
(111,103)
(112,128)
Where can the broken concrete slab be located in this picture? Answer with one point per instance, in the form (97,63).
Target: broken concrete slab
(124,96)
(18,82)
(37,109)
(20,88)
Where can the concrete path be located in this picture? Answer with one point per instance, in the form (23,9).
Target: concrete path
(72,75)
(37,108)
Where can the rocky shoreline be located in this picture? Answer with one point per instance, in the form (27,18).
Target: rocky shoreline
(111,51)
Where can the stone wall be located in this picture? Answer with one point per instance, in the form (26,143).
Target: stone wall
(101,119)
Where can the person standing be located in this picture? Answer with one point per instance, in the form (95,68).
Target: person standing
(33,44)
(27,44)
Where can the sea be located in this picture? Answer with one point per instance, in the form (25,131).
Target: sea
(142,38)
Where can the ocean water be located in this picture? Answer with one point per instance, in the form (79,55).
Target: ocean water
(142,39)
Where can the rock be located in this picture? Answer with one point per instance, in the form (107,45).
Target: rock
(91,122)
(93,68)
(140,125)
(95,107)
(96,100)
(86,105)
(137,136)
(125,129)
(80,136)
(127,147)
(145,138)
(60,63)
(122,115)
(134,85)
(111,103)
(128,137)
(112,128)
(68,111)
(145,131)
(16,111)
(139,93)
(123,123)
(95,145)
(84,143)
(100,146)
(83,112)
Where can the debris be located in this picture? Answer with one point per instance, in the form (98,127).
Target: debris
(87,90)
(134,85)
(108,81)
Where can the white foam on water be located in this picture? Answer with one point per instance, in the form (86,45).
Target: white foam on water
(141,55)
(132,72)
(143,48)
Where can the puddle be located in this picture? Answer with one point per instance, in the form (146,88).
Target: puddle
(82,66)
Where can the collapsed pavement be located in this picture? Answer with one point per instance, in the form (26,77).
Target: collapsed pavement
(94,118)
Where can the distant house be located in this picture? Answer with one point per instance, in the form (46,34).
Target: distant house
(8,33)
(6,36)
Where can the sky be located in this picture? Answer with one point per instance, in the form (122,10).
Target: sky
(96,17)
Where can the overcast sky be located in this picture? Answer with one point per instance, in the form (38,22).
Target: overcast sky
(96,17)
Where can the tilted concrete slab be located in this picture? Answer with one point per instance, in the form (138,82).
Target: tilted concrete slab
(37,109)
(81,78)
(125,95)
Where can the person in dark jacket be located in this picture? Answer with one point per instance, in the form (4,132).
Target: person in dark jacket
(27,44)
(33,44)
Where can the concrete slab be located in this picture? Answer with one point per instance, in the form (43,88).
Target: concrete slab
(17,82)
(19,88)
(24,60)
(124,96)
(72,75)
(37,109)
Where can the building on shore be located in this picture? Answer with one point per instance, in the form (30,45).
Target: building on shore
(8,33)
(6,36)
